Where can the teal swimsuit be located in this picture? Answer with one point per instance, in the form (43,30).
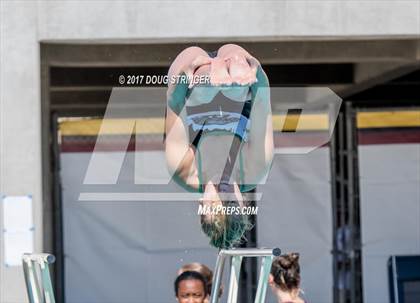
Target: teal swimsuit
(209,112)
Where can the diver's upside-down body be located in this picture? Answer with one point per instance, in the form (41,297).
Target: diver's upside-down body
(244,134)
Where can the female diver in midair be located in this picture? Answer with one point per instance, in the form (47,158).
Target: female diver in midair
(218,134)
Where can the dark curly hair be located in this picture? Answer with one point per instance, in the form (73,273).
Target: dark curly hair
(286,271)
(189,275)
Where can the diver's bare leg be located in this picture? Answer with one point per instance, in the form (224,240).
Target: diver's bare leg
(186,62)
(241,65)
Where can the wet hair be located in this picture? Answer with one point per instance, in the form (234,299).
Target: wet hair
(226,231)
(205,272)
(286,271)
(189,275)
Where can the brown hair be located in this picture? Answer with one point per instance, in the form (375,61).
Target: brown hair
(226,231)
(286,271)
(204,271)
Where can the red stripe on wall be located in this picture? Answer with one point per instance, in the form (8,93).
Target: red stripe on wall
(88,144)
(388,136)
(74,144)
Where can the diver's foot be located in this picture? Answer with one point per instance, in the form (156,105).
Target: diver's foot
(240,70)
(219,74)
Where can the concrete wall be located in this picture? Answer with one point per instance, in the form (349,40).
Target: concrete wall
(20,125)
(25,23)
(389,214)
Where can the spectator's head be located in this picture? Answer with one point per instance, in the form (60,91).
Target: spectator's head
(190,287)
(204,271)
(201,269)
(224,230)
(285,273)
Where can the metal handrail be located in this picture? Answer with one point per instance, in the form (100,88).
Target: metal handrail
(38,286)
(251,252)
(236,255)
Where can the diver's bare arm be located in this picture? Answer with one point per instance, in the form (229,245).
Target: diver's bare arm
(180,157)
(261,143)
